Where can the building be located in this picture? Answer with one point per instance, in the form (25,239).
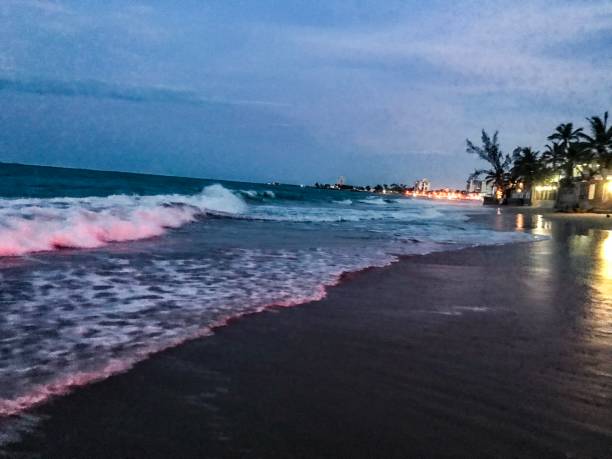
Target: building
(544,195)
(474,185)
(422,186)
(594,194)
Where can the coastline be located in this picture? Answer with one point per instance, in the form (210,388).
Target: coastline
(487,351)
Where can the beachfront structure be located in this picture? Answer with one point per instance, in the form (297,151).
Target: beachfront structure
(474,185)
(593,194)
(422,186)
(588,194)
(544,195)
(584,190)
(541,194)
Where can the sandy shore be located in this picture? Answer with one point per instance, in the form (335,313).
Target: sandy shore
(501,351)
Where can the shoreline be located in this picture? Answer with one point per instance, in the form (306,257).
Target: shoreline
(65,386)
(72,423)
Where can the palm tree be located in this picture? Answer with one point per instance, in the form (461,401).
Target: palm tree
(599,143)
(527,166)
(568,152)
(498,174)
(565,134)
(575,156)
(553,156)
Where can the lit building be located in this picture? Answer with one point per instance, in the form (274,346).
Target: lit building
(588,194)
(544,194)
(474,186)
(423,185)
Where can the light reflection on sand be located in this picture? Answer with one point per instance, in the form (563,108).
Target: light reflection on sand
(602,300)
(588,254)
(605,256)
(540,226)
(592,254)
(542,270)
(520,221)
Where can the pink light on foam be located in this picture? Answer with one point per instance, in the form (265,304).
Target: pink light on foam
(37,224)
(87,229)
(65,384)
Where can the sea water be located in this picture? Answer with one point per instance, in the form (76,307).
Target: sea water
(98,270)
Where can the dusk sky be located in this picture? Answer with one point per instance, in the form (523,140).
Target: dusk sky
(294,91)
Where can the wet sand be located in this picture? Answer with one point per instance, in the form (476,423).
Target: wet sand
(501,351)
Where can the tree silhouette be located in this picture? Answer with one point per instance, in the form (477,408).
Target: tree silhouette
(599,143)
(498,174)
(527,167)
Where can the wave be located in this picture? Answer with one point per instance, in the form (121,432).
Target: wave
(378,201)
(344,212)
(30,225)
(36,225)
(257,196)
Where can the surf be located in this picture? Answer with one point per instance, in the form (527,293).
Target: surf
(38,224)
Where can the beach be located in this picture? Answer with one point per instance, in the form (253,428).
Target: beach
(498,351)
(305,230)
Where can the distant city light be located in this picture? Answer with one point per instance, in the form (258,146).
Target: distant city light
(445,194)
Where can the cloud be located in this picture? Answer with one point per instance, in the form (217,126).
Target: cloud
(370,78)
(45,6)
(101,90)
(505,47)
(96,89)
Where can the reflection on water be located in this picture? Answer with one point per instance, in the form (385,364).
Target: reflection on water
(540,226)
(520,221)
(537,224)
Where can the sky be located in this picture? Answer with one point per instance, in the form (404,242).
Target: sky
(294,91)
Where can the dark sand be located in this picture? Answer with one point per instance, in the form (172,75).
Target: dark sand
(489,352)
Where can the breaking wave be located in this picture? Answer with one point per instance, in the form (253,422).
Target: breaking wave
(257,196)
(36,225)
(30,225)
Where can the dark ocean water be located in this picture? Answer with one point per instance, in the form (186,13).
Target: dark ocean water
(100,269)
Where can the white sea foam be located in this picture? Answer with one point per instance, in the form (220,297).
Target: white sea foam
(258,195)
(374,200)
(90,324)
(346,213)
(35,225)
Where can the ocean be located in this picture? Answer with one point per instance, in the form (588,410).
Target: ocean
(98,270)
